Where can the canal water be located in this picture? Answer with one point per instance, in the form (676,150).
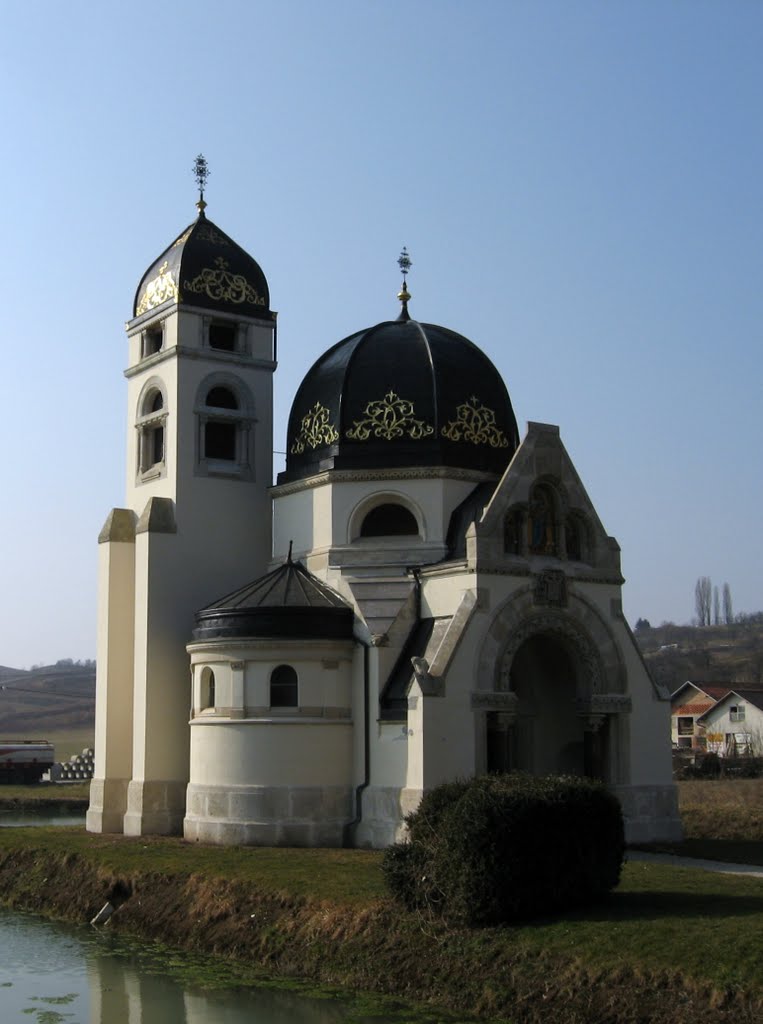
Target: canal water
(52,973)
(11,817)
(57,974)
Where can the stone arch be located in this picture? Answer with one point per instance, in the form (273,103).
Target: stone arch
(564,629)
(580,624)
(377,500)
(555,683)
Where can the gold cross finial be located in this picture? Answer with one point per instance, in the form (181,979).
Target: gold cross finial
(405,264)
(201,173)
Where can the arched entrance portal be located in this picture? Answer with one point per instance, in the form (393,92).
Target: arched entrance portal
(545,733)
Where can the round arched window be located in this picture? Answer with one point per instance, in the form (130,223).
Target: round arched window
(389,520)
(283,687)
(207,695)
(222,398)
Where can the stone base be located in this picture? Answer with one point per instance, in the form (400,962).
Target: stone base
(268,815)
(154,808)
(382,818)
(650,812)
(108,803)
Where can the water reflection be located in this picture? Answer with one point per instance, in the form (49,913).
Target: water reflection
(51,973)
(16,817)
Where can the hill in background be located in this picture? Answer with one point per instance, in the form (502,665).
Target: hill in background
(717,654)
(47,699)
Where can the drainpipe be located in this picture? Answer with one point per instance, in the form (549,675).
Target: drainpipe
(351,827)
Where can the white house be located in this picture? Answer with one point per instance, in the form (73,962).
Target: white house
(421,596)
(733,726)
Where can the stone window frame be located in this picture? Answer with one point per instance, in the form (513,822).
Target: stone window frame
(369,504)
(241,418)
(150,419)
(152,339)
(516,525)
(207,690)
(292,682)
(241,335)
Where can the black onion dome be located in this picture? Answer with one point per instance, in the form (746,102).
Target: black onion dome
(288,602)
(204,267)
(401,394)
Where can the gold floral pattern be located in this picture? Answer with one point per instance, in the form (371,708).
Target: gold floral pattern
(315,430)
(207,233)
(161,288)
(389,417)
(183,238)
(223,286)
(474,422)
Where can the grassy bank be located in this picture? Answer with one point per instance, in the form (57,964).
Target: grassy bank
(43,794)
(667,946)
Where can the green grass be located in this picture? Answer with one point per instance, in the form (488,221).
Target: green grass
(74,792)
(705,927)
(342,876)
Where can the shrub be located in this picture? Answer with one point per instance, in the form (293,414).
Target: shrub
(502,847)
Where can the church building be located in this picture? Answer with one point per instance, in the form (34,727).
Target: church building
(421,596)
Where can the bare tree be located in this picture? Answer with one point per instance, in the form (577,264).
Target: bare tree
(703,591)
(716,607)
(728,611)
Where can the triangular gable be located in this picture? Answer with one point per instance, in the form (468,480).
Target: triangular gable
(678,695)
(540,458)
(754,697)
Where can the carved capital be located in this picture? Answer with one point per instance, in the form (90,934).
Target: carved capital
(494,700)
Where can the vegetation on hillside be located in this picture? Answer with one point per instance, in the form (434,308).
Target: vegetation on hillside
(719,653)
(53,698)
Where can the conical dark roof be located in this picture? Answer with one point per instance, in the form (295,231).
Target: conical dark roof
(287,602)
(401,394)
(204,267)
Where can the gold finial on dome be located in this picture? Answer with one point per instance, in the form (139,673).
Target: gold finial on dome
(201,173)
(405,264)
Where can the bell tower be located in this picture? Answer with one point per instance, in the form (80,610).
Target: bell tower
(197,521)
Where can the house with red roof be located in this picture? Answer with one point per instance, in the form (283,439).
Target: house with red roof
(722,718)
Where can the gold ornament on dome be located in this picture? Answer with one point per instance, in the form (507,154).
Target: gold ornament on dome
(315,430)
(475,423)
(223,286)
(389,417)
(158,291)
(183,238)
(207,233)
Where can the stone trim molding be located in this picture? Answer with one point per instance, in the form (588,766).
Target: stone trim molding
(334,476)
(494,700)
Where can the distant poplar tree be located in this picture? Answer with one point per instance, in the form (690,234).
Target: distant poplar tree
(716,607)
(703,593)
(728,610)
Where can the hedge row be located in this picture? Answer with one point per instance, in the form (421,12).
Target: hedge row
(502,847)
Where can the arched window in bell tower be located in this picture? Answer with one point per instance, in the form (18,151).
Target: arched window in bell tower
(151,426)
(220,434)
(224,411)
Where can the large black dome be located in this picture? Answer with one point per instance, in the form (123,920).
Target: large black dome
(204,267)
(401,394)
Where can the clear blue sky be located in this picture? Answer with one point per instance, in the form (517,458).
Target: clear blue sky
(578,183)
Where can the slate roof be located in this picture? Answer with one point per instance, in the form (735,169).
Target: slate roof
(288,602)
(401,394)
